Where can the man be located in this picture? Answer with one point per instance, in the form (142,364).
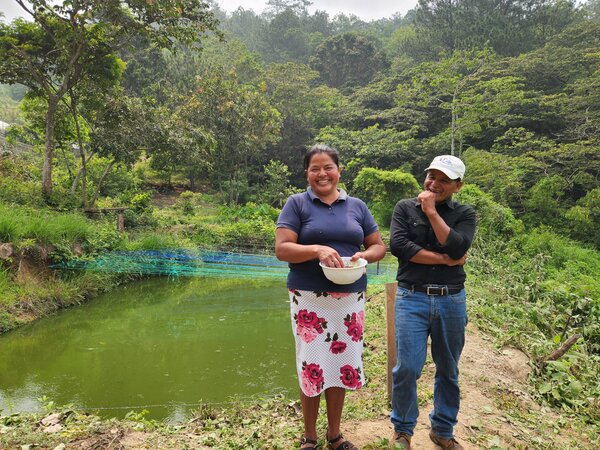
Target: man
(430,236)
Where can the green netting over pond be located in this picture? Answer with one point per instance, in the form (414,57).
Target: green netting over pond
(203,263)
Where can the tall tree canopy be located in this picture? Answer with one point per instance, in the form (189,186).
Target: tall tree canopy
(70,42)
(348,60)
(510,27)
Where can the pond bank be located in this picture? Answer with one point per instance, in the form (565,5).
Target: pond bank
(498,411)
(30,289)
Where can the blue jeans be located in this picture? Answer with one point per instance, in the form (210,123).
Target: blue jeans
(443,317)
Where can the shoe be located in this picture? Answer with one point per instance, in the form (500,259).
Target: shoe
(446,444)
(312,443)
(344,445)
(400,441)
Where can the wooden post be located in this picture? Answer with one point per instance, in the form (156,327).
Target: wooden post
(120,222)
(390,301)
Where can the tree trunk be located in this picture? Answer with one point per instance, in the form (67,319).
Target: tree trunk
(97,192)
(83,175)
(50,144)
(79,172)
(453,124)
(73,108)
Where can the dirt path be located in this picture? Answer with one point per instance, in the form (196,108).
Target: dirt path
(496,411)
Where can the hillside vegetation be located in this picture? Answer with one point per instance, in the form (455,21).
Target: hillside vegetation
(123,104)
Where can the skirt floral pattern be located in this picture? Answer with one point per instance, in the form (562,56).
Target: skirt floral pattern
(328,328)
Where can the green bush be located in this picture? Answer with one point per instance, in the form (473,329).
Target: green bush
(103,237)
(187,202)
(249,227)
(118,180)
(493,218)
(381,190)
(584,218)
(276,188)
(250,211)
(141,211)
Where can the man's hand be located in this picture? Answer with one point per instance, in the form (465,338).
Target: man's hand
(427,200)
(455,262)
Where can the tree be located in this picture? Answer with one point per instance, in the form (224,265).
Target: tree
(584,218)
(304,108)
(246,25)
(276,188)
(381,189)
(241,123)
(370,147)
(74,41)
(471,97)
(509,27)
(284,39)
(592,7)
(348,60)
(376,104)
(298,7)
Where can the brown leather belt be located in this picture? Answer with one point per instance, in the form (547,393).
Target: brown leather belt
(434,289)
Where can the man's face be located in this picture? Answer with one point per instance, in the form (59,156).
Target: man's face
(443,187)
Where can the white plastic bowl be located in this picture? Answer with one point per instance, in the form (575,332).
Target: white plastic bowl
(345,275)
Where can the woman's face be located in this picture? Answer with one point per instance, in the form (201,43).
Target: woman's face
(322,174)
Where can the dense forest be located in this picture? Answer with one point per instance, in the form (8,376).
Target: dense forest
(108,102)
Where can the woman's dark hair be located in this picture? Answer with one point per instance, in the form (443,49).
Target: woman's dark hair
(321,148)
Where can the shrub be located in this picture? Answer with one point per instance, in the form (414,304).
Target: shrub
(382,189)
(250,211)
(187,202)
(493,218)
(584,218)
(276,188)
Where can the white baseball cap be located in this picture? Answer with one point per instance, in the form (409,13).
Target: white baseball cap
(450,165)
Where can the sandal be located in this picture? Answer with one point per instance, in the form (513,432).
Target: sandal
(345,445)
(305,440)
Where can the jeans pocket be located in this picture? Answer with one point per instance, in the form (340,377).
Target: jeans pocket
(459,297)
(402,292)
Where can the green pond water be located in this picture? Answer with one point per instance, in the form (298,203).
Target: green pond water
(161,345)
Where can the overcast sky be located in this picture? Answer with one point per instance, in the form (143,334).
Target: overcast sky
(365,9)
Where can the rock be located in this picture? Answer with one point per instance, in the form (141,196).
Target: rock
(53,428)
(60,446)
(52,419)
(6,251)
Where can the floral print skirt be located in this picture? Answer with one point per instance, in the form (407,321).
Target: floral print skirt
(328,328)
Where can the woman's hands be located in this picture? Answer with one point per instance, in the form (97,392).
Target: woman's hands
(330,257)
(287,249)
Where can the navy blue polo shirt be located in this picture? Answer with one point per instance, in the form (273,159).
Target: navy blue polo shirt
(342,226)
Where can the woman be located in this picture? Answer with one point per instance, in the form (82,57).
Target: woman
(322,225)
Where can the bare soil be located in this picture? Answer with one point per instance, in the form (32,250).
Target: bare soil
(496,410)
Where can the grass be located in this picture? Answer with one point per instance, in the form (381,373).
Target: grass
(19,223)
(154,241)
